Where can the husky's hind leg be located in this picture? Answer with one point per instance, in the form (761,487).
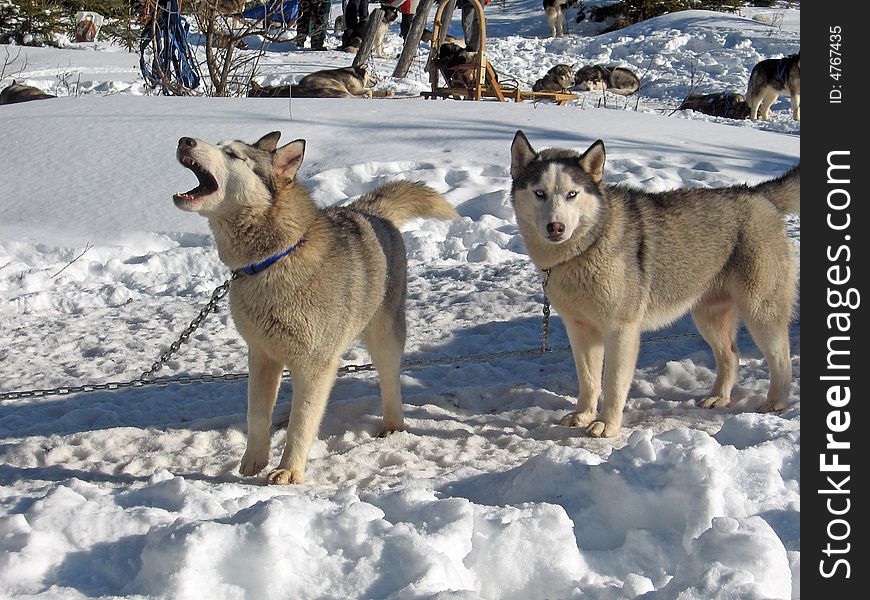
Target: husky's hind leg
(767,101)
(771,336)
(716,319)
(385,340)
(766,307)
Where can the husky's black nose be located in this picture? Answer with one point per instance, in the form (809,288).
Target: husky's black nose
(555,229)
(186,142)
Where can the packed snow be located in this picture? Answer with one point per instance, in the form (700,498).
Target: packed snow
(133,492)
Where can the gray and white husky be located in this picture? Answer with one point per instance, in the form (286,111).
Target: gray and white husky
(621,261)
(309,281)
(771,79)
(17,92)
(555,11)
(558,79)
(343,82)
(617,80)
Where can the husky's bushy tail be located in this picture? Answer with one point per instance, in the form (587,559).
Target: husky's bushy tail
(400,201)
(784,192)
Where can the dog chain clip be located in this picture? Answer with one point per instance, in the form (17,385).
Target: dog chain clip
(545,326)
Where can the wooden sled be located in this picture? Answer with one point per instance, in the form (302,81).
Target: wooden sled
(478,74)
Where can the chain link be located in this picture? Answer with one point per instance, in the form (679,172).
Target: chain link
(545,325)
(216,296)
(148,378)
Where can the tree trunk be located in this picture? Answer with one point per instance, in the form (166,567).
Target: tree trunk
(362,55)
(412,41)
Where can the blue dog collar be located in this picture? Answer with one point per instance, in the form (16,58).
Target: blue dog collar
(264,264)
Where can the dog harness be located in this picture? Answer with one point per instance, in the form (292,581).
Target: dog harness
(259,267)
(782,68)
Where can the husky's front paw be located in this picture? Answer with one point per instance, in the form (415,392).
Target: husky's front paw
(576,419)
(771,407)
(714,402)
(254,461)
(284,477)
(601,429)
(388,431)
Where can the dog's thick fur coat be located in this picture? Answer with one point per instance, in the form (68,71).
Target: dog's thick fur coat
(555,11)
(617,80)
(622,261)
(771,79)
(719,104)
(558,79)
(345,278)
(17,92)
(344,82)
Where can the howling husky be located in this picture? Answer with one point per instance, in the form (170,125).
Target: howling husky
(308,281)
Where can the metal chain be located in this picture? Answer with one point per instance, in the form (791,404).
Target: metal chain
(545,325)
(148,377)
(216,296)
(344,370)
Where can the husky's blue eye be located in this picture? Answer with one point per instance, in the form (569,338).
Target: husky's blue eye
(540,194)
(571,195)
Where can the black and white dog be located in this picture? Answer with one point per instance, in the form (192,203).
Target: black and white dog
(555,11)
(771,79)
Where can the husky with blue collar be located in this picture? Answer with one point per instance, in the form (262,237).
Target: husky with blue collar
(308,282)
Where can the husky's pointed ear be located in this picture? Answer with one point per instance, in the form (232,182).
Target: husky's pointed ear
(522,154)
(287,160)
(269,141)
(592,161)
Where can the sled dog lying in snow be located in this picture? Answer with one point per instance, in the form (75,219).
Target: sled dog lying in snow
(344,82)
(620,261)
(617,80)
(555,11)
(558,79)
(17,92)
(309,281)
(719,104)
(771,79)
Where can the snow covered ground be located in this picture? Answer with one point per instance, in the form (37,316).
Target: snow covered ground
(133,492)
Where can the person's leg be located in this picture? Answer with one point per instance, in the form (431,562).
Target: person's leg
(405,25)
(303,22)
(469,26)
(319,21)
(351,14)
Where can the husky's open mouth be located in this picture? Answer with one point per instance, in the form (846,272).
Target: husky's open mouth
(207,183)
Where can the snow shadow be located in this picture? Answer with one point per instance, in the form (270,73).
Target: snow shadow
(223,404)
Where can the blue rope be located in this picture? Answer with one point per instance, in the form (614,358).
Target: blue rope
(782,69)
(172,57)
